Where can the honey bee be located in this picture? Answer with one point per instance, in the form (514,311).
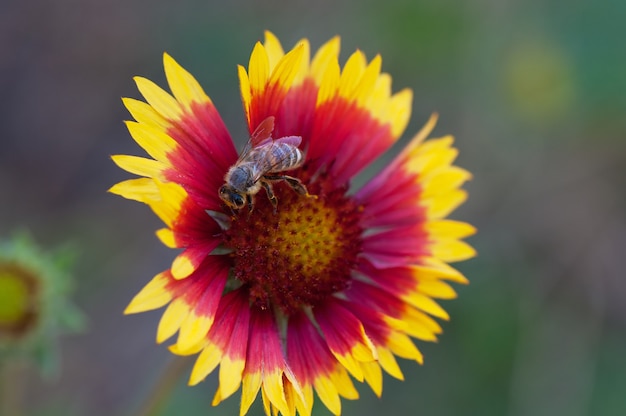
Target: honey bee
(259,165)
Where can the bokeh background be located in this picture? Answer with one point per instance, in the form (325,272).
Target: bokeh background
(534,91)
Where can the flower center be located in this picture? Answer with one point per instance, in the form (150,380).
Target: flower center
(301,254)
(17,300)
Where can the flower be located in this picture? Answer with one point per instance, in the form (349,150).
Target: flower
(34,304)
(328,287)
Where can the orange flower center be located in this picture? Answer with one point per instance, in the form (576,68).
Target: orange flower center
(301,254)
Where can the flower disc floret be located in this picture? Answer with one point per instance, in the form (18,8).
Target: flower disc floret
(299,255)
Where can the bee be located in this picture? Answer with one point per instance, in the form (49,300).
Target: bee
(259,165)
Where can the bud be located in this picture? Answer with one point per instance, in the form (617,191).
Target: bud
(34,305)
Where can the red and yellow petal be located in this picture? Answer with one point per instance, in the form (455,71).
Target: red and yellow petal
(154,295)
(141,166)
(192,302)
(418,324)
(266,365)
(386,333)
(345,336)
(263,87)
(183,85)
(226,345)
(315,366)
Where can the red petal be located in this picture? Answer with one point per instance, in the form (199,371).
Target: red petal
(203,289)
(264,348)
(396,247)
(307,353)
(230,328)
(206,153)
(346,139)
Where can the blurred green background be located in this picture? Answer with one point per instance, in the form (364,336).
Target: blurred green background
(534,91)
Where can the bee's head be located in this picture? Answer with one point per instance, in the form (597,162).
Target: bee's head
(231,197)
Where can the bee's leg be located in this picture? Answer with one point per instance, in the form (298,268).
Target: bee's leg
(270,194)
(250,200)
(295,183)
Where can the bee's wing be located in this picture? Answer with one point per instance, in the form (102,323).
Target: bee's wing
(263,132)
(262,135)
(290,140)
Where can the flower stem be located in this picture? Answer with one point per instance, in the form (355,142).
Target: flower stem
(158,397)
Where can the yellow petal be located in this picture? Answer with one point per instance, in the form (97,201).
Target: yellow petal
(244,87)
(144,113)
(303,401)
(436,145)
(182,266)
(192,350)
(403,347)
(230,376)
(303,72)
(451,250)
(329,83)
(400,108)
(160,100)
(449,229)
(365,351)
(168,207)
(273,387)
(288,67)
(327,56)
(249,390)
(351,74)
(350,364)
(343,383)
(171,320)
(293,383)
(373,376)
(420,325)
(433,155)
(139,165)
(258,68)
(167,237)
(428,305)
(388,362)
(441,206)
(289,398)
(193,330)
(444,180)
(426,321)
(367,82)
(273,48)
(327,392)
(436,289)
(434,268)
(142,190)
(206,362)
(152,140)
(379,99)
(183,85)
(153,296)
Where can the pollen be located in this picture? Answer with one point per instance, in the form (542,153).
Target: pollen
(300,255)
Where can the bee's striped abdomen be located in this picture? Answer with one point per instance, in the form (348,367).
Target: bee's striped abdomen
(285,157)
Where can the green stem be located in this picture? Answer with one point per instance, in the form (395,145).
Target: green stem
(158,397)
